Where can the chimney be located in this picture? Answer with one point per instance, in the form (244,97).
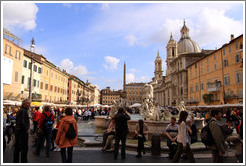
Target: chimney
(232,36)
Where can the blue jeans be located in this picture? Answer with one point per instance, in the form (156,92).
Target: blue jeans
(123,146)
(41,138)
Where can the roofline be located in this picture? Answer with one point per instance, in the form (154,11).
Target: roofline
(215,50)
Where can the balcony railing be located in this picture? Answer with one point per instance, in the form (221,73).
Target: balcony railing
(215,86)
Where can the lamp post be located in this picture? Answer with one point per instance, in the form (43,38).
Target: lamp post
(32,49)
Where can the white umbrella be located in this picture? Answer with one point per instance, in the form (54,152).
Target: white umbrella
(136,105)
(105,106)
(97,105)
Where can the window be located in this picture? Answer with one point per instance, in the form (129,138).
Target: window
(8,49)
(216,96)
(237,58)
(18,54)
(16,76)
(38,84)
(241,46)
(229,49)
(226,80)
(207,69)
(47,73)
(202,86)
(196,87)
(195,65)
(55,88)
(34,82)
(28,82)
(225,62)
(224,51)
(201,71)
(59,90)
(25,64)
(236,45)
(191,89)
(214,56)
(215,66)
(41,85)
(35,68)
(23,79)
(51,87)
(39,70)
(191,75)
(196,73)
(239,77)
(207,60)
(201,63)
(208,82)
(29,66)
(46,86)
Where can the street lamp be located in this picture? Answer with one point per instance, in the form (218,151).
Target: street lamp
(32,49)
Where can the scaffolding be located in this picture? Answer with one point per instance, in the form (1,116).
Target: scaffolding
(11,37)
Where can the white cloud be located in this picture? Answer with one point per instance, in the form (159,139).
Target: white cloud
(105,6)
(131,39)
(19,15)
(111,63)
(133,70)
(79,71)
(153,23)
(68,5)
(130,77)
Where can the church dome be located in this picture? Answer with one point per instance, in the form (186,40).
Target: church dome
(185,44)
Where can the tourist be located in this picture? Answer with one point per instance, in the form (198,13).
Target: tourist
(35,120)
(21,132)
(11,119)
(4,129)
(62,141)
(45,126)
(218,148)
(172,133)
(110,136)
(121,131)
(105,134)
(183,139)
(192,130)
(141,131)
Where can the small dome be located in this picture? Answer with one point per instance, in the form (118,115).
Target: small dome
(186,45)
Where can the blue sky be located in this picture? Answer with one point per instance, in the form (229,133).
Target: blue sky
(93,40)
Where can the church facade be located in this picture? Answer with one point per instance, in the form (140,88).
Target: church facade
(169,90)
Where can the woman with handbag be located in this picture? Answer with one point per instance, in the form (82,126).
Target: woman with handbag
(141,132)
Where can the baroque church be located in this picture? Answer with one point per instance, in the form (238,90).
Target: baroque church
(171,89)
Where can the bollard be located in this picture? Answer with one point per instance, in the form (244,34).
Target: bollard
(156,145)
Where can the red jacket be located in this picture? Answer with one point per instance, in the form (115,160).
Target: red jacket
(42,118)
(36,116)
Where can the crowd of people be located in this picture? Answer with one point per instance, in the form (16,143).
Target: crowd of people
(58,128)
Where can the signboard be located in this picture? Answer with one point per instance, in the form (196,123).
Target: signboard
(7,69)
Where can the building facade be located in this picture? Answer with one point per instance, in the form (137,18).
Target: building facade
(135,92)
(11,66)
(173,88)
(36,73)
(108,96)
(218,77)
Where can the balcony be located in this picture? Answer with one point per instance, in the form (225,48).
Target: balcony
(213,87)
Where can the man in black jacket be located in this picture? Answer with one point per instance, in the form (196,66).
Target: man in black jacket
(21,132)
(121,130)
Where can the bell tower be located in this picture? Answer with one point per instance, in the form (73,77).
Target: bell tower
(158,67)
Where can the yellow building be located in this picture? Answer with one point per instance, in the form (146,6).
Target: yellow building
(135,92)
(218,77)
(79,92)
(53,81)
(11,66)
(108,96)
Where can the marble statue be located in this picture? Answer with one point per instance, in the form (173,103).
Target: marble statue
(113,110)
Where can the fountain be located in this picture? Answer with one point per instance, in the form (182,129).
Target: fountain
(155,117)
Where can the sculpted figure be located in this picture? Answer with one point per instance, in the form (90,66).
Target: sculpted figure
(113,110)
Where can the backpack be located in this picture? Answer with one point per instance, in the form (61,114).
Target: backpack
(48,123)
(71,134)
(206,136)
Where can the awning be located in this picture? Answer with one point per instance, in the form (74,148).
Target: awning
(136,105)
(36,103)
